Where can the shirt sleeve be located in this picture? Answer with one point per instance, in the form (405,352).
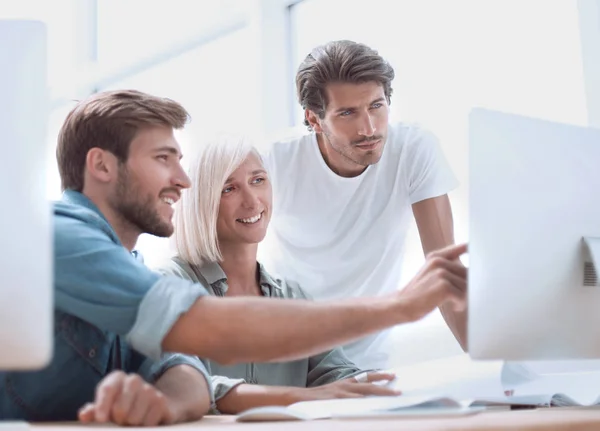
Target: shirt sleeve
(152,371)
(428,171)
(221,385)
(100,282)
(330,367)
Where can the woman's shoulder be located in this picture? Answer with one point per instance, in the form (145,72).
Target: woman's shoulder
(178,267)
(289,288)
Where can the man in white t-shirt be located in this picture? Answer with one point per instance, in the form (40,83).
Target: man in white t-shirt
(343,194)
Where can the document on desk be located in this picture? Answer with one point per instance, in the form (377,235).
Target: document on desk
(455,384)
(562,390)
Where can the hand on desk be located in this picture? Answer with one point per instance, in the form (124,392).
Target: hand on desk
(127,400)
(353,387)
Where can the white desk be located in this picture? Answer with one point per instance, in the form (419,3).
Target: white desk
(555,419)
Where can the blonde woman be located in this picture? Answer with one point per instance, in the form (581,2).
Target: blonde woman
(217,231)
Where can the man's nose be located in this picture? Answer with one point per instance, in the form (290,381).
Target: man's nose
(367,128)
(180,179)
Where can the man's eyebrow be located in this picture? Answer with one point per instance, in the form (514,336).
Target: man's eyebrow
(379,99)
(344,109)
(352,108)
(171,150)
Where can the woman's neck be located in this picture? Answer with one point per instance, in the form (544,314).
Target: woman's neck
(239,265)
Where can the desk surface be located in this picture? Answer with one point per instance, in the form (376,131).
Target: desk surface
(556,419)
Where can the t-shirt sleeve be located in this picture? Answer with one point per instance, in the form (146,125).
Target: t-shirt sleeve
(428,173)
(100,282)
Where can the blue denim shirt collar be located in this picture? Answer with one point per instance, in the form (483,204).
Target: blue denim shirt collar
(77,198)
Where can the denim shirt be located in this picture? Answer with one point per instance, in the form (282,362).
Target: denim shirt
(111,312)
(316,370)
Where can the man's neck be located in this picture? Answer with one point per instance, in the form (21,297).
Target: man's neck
(128,234)
(239,265)
(338,163)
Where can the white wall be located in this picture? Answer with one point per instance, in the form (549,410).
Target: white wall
(589,21)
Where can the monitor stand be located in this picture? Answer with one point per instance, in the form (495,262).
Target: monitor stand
(592,272)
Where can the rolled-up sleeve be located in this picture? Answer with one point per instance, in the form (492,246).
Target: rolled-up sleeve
(330,367)
(152,371)
(99,281)
(221,385)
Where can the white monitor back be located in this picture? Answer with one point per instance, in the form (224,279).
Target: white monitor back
(534,193)
(25,230)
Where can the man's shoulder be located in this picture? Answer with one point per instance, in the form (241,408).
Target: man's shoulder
(292,141)
(406,133)
(65,210)
(71,220)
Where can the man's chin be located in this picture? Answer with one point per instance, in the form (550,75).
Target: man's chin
(369,159)
(162,231)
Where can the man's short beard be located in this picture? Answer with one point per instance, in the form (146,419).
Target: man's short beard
(137,209)
(349,157)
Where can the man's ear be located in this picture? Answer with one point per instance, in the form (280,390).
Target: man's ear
(314,120)
(101,165)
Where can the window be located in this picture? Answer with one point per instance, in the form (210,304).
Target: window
(133,30)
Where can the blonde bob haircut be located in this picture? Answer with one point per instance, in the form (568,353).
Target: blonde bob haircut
(196,217)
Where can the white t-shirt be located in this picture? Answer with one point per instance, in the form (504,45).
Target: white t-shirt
(344,237)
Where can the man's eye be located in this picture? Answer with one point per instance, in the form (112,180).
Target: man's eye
(345,113)
(163,157)
(377,105)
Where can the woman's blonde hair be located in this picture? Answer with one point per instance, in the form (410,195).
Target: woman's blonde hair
(196,216)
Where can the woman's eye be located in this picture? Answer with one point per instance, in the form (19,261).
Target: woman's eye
(227,190)
(258,180)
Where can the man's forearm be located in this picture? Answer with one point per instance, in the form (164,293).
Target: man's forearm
(186,391)
(231,330)
(457,322)
(245,396)
(436,229)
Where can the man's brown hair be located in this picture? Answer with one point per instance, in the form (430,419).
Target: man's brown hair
(341,61)
(110,121)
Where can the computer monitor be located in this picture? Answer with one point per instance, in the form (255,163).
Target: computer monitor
(534,201)
(25,228)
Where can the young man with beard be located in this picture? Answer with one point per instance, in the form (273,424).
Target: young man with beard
(114,318)
(345,193)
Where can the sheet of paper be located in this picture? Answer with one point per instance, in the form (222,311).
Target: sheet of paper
(458,377)
(346,406)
